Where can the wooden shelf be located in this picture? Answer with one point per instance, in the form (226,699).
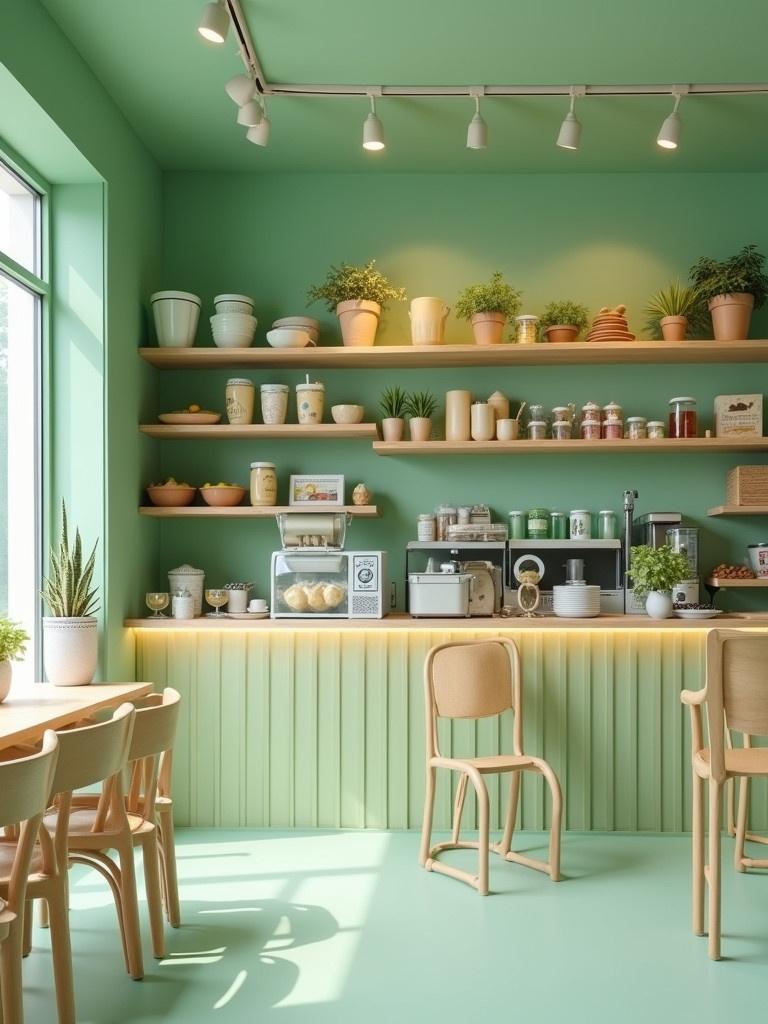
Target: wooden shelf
(739,510)
(253,431)
(418,356)
(713,581)
(577,446)
(249,512)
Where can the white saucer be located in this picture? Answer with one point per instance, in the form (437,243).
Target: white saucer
(698,613)
(248,615)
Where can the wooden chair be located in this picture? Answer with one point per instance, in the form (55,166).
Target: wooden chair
(736,692)
(480,679)
(25,787)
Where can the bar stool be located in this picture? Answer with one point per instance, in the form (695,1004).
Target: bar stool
(25,787)
(481,679)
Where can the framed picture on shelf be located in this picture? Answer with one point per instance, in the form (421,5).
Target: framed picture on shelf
(315,489)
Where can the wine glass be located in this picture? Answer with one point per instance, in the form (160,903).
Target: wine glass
(157,600)
(217,598)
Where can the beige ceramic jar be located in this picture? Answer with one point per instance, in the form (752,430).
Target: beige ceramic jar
(239,400)
(263,484)
(309,402)
(457,415)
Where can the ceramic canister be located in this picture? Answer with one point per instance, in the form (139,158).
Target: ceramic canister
(500,405)
(274,403)
(309,402)
(428,315)
(186,577)
(457,415)
(483,422)
(581,524)
(239,400)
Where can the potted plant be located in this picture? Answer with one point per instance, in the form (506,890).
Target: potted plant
(732,288)
(654,572)
(393,404)
(420,407)
(673,310)
(70,638)
(488,306)
(563,321)
(13,647)
(357,295)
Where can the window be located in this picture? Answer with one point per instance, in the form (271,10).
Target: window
(21,294)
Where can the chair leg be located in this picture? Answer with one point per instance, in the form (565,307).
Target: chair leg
(741,823)
(168,865)
(426,826)
(130,906)
(154,897)
(26,942)
(715,799)
(10,975)
(458,806)
(509,826)
(42,913)
(61,951)
(483,839)
(697,843)
(556,823)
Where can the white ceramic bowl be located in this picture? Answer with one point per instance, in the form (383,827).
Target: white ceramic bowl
(347,413)
(233,330)
(233,304)
(176,315)
(304,323)
(288,337)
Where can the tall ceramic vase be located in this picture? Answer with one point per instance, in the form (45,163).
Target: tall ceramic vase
(359,321)
(70,650)
(658,604)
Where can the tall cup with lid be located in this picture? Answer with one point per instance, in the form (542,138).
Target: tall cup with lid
(310,397)
(274,403)
(240,394)
(187,577)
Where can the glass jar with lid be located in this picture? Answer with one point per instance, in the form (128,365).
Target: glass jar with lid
(263,484)
(637,428)
(536,411)
(613,413)
(591,411)
(537,526)
(683,421)
(537,430)
(606,524)
(558,526)
(655,429)
(561,430)
(612,430)
(590,430)
(517,522)
(425,527)
(526,329)
(445,516)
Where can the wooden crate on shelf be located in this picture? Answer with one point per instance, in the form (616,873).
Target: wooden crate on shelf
(747,485)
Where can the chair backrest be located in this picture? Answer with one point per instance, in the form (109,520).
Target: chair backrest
(471,679)
(93,753)
(737,689)
(154,734)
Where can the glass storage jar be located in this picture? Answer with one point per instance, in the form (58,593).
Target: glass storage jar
(445,516)
(537,430)
(558,525)
(613,413)
(561,413)
(591,411)
(637,428)
(655,429)
(517,521)
(537,526)
(263,484)
(683,421)
(536,412)
(581,524)
(590,430)
(561,430)
(606,524)
(526,329)
(425,527)
(613,430)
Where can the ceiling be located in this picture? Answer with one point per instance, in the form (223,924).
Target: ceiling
(170,84)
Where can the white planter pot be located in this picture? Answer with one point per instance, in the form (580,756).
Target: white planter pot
(5,680)
(359,320)
(658,604)
(238,601)
(70,650)
(176,315)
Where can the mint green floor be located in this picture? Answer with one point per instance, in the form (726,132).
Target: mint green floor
(341,927)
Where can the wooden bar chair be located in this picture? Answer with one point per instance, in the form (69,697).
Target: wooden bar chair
(736,691)
(480,679)
(25,787)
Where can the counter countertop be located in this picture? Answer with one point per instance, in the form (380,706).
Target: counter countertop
(401,621)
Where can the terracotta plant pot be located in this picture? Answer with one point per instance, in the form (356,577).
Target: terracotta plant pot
(558,333)
(420,428)
(731,315)
(392,428)
(359,321)
(488,328)
(674,328)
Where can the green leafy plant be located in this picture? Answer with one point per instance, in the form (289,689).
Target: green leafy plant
(676,300)
(393,403)
(67,591)
(420,404)
(657,568)
(13,641)
(495,297)
(744,272)
(348,282)
(565,313)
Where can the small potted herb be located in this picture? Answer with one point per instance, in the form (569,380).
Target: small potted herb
(563,321)
(654,572)
(732,288)
(488,306)
(420,407)
(673,310)
(13,647)
(393,404)
(357,295)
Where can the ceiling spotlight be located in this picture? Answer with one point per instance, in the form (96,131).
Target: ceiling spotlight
(477,132)
(240,89)
(569,135)
(250,114)
(214,23)
(259,133)
(669,135)
(373,129)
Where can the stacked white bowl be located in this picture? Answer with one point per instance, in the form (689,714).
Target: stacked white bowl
(294,332)
(576,601)
(234,324)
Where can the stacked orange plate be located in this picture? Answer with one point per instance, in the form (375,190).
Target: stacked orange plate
(610,324)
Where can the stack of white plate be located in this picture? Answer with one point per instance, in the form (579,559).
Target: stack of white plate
(576,601)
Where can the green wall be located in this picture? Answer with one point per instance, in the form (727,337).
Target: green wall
(601,239)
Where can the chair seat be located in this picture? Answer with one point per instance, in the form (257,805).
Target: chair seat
(740,761)
(7,855)
(493,764)
(82,819)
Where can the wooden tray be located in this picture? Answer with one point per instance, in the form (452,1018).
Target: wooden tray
(199,418)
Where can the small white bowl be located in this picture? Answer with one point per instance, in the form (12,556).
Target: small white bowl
(347,413)
(233,304)
(288,337)
(304,323)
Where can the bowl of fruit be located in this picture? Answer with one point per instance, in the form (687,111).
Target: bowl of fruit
(222,494)
(171,493)
(192,414)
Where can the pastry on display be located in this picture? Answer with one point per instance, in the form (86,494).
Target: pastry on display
(361,495)
(610,324)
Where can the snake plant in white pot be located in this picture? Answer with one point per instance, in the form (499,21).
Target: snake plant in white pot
(70,637)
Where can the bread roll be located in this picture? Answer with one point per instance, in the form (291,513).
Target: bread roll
(316,598)
(333,595)
(296,598)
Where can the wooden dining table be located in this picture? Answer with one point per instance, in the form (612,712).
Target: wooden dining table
(28,711)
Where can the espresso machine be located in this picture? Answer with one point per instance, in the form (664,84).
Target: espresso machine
(656,529)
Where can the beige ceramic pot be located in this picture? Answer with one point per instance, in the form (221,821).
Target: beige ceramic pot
(457,415)
(674,328)
(5,679)
(359,321)
(731,315)
(483,422)
(488,328)
(420,428)
(392,428)
(70,650)
(559,333)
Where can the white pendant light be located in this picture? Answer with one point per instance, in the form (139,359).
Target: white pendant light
(477,131)
(250,114)
(669,134)
(240,89)
(569,135)
(373,129)
(258,134)
(214,24)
